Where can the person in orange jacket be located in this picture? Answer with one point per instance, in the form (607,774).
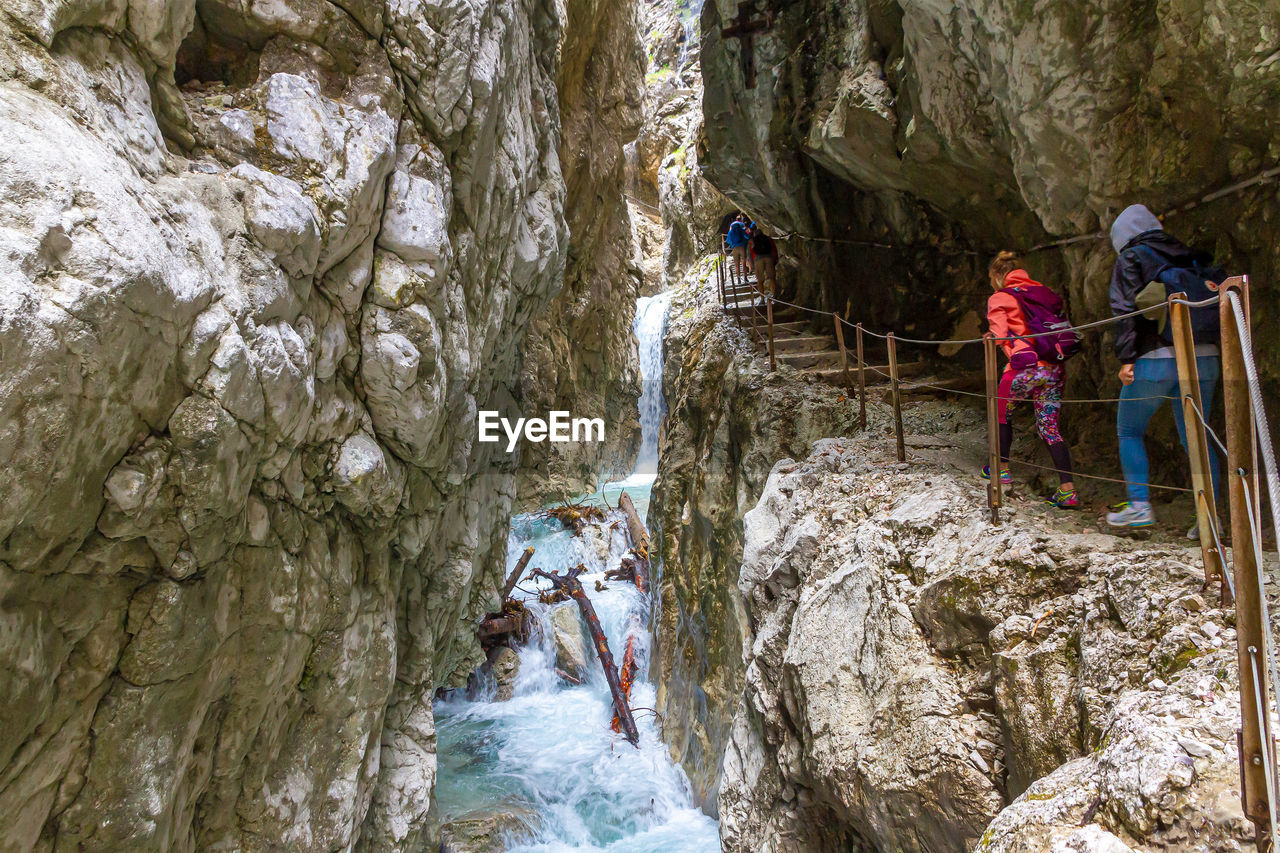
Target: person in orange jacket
(1027,376)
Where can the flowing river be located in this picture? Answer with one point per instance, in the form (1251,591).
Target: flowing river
(547,759)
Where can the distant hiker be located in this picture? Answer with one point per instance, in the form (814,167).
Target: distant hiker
(737,240)
(764,260)
(1151,267)
(1019,307)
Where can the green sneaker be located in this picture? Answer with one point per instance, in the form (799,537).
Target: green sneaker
(1005,476)
(1065,499)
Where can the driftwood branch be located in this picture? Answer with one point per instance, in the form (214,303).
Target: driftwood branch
(628,677)
(514,577)
(569,583)
(639,537)
(635,527)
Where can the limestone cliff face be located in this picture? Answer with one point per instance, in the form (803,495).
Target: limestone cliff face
(727,422)
(911,668)
(581,353)
(947,128)
(262,264)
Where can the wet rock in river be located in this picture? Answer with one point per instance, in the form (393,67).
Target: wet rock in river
(504,665)
(485,831)
(571,649)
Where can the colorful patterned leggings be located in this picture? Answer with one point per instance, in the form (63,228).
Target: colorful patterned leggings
(1042,385)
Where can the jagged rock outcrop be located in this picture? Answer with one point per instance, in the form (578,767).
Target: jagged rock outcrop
(728,421)
(262,264)
(949,128)
(911,666)
(581,353)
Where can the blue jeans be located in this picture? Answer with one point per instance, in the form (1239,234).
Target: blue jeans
(1158,377)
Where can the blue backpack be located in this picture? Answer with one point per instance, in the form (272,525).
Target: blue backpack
(1194,280)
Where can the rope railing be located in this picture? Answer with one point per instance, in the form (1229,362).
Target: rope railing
(910,386)
(1204,303)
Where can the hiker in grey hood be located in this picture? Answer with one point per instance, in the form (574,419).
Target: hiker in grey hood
(1151,265)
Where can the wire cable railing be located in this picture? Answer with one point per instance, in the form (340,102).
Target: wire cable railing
(1204,303)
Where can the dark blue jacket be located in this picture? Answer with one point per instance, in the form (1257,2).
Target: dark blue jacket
(1136,267)
(737,235)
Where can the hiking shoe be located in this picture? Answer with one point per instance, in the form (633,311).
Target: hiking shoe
(1132,514)
(1005,476)
(1065,499)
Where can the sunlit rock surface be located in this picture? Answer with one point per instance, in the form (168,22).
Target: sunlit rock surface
(669,194)
(262,264)
(581,352)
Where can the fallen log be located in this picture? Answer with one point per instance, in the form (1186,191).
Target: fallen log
(496,625)
(509,627)
(635,527)
(514,577)
(569,583)
(628,676)
(639,537)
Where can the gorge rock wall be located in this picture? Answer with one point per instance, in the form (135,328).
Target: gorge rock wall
(954,130)
(667,184)
(262,263)
(727,421)
(581,352)
(910,669)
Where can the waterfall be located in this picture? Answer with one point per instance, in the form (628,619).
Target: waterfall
(689,17)
(650,322)
(543,769)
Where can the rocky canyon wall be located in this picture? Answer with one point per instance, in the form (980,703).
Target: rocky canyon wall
(728,421)
(667,186)
(261,264)
(581,353)
(953,130)
(911,669)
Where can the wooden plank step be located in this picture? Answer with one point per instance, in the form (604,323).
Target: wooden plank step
(800,343)
(834,375)
(808,360)
(779,314)
(941,387)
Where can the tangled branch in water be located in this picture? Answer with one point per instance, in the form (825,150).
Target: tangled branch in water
(575,516)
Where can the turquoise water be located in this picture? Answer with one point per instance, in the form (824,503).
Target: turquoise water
(549,753)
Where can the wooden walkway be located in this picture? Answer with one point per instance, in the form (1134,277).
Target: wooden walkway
(803,343)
